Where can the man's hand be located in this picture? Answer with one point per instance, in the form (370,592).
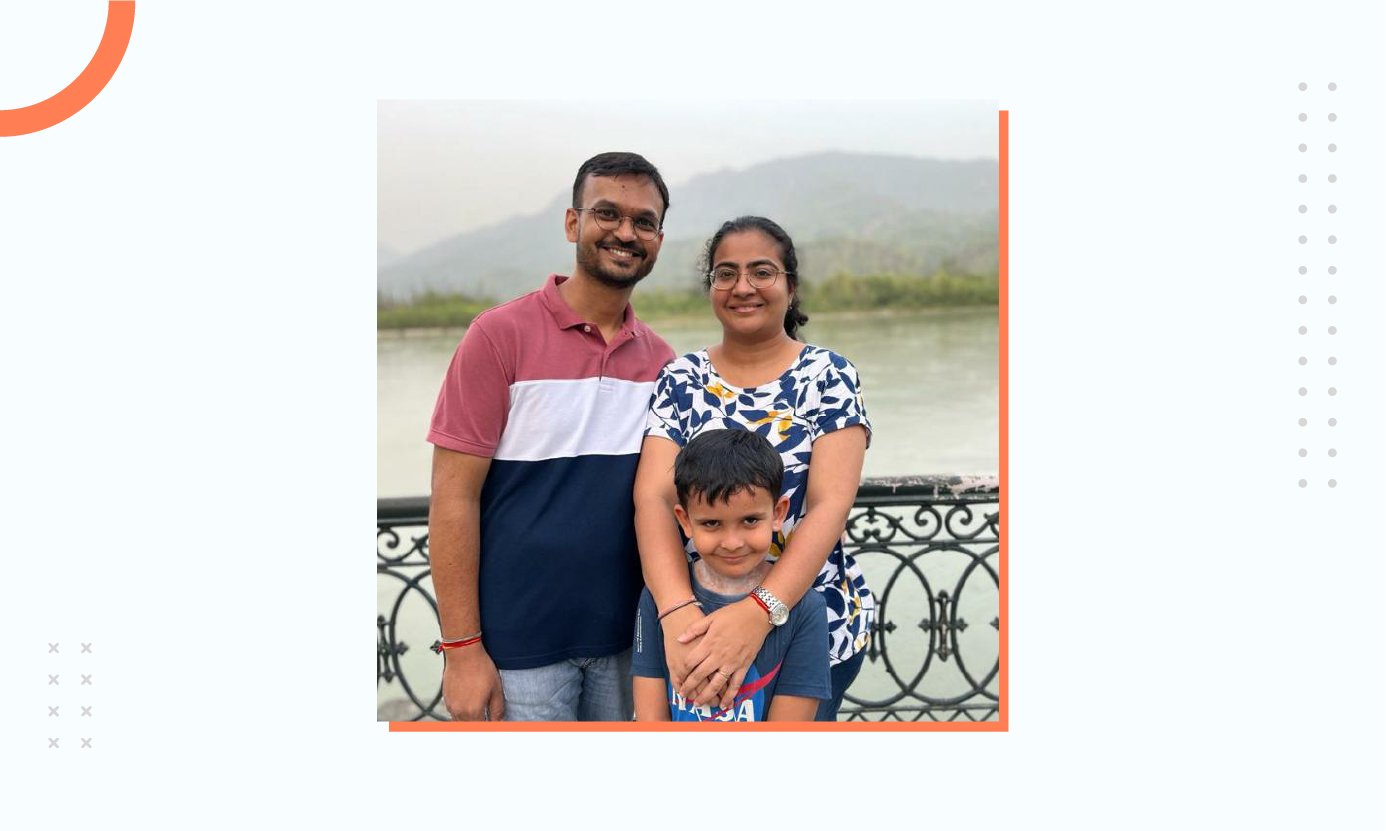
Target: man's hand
(472,685)
(730,639)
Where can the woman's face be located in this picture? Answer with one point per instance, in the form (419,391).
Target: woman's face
(744,309)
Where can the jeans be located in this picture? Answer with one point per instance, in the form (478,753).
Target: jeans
(843,675)
(576,689)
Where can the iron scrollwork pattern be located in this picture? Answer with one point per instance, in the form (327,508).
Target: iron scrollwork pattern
(928,546)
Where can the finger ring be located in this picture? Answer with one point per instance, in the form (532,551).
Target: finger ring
(724,674)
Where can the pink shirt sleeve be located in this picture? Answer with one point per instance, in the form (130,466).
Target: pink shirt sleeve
(475,399)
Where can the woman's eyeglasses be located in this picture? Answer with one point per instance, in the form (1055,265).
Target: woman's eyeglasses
(759,276)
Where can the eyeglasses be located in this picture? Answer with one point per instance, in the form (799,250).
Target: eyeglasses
(610,219)
(759,276)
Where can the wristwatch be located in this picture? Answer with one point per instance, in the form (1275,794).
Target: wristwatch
(777,611)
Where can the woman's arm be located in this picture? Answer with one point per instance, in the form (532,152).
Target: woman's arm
(662,558)
(833,478)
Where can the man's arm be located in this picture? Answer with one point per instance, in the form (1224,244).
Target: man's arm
(651,699)
(471,684)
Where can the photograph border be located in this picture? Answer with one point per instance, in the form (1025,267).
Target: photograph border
(1002,723)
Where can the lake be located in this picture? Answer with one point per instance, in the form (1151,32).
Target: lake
(929,378)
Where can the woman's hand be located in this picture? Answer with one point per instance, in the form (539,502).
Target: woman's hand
(724,645)
(676,651)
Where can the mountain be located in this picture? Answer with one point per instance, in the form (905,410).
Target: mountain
(385,255)
(848,213)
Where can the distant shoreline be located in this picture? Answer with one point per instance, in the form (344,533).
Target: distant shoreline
(680,319)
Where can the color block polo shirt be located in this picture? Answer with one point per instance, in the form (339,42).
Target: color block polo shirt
(561,415)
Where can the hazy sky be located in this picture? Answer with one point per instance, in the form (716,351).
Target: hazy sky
(450,166)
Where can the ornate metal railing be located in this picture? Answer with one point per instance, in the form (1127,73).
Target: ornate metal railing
(928,547)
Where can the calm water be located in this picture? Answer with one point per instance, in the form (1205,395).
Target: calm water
(930,381)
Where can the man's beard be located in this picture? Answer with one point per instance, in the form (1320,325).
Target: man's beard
(590,259)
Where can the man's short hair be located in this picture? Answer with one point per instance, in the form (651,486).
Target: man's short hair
(717,464)
(619,164)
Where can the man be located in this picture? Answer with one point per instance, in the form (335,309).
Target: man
(536,437)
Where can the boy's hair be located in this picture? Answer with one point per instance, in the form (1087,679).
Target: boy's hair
(720,463)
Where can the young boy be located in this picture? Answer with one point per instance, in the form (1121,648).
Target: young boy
(728,486)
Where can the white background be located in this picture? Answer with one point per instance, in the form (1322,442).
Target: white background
(188,471)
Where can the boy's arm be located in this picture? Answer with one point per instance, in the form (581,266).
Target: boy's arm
(805,679)
(652,699)
(792,708)
(649,679)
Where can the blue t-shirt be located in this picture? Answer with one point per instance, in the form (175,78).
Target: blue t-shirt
(791,662)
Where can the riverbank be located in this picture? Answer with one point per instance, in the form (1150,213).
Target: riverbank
(434,312)
(700,316)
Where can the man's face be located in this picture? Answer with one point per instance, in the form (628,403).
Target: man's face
(617,258)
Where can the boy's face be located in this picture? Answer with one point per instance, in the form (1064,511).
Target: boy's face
(733,537)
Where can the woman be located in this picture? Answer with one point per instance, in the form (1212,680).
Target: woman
(806,401)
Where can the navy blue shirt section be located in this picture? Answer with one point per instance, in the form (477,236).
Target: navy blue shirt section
(550,589)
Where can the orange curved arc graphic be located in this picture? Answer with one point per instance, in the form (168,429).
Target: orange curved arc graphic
(120,21)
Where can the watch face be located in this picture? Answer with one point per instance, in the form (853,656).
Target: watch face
(779,614)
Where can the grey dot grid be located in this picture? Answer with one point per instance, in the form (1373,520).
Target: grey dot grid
(55,679)
(1305,115)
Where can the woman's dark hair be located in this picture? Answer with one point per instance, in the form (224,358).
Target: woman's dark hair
(793,317)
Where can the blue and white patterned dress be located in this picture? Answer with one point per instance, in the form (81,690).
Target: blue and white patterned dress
(820,393)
